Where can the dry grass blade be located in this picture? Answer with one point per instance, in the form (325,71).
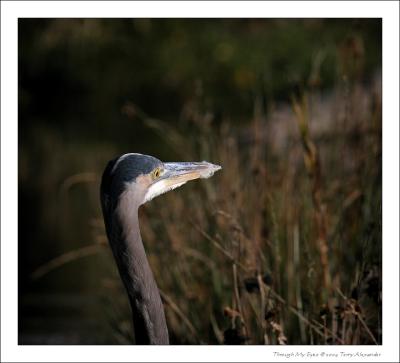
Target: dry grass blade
(180,313)
(169,134)
(217,331)
(359,317)
(218,246)
(238,301)
(86,177)
(313,326)
(262,310)
(312,162)
(66,258)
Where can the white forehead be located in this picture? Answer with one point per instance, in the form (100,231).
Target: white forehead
(122,157)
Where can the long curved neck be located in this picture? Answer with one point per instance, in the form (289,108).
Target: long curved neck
(147,308)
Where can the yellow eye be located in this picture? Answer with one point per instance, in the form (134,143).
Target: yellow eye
(156,173)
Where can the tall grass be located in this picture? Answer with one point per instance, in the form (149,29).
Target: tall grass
(283,246)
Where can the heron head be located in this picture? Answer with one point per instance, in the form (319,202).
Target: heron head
(146,177)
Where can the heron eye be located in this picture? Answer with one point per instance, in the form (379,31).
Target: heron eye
(156,173)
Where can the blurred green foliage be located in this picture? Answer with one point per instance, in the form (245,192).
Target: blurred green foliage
(80,72)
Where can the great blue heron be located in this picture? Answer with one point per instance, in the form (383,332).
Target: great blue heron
(128,182)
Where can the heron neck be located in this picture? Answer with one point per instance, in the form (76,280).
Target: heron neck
(147,308)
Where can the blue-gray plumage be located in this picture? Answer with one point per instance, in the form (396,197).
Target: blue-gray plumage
(128,182)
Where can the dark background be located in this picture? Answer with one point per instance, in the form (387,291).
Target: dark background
(91,89)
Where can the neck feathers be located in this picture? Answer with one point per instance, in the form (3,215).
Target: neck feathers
(125,240)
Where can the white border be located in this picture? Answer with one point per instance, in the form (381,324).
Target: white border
(11,11)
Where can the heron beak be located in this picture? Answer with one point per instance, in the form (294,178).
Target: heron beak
(176,174)
(185,171)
